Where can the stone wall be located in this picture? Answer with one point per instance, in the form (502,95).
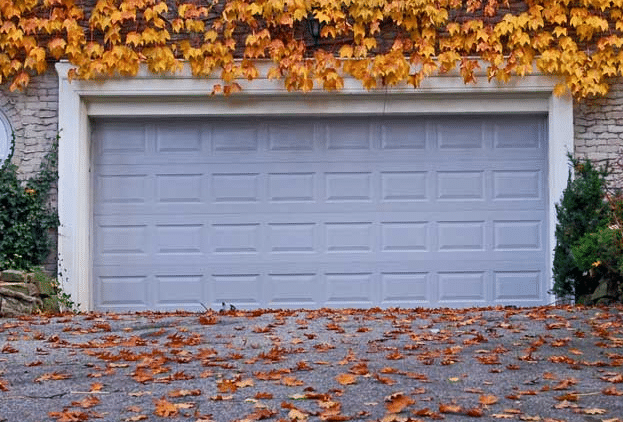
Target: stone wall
(599,131)
(33,117)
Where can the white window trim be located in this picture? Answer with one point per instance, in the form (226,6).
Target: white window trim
(183,95)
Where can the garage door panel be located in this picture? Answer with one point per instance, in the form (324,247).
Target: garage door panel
(310,212)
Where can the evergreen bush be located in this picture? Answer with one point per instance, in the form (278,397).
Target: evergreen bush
(582,210)
(26,219)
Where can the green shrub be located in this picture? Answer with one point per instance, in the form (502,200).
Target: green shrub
(26,218)
(582,210)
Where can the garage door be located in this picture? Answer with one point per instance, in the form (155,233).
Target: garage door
(311,212)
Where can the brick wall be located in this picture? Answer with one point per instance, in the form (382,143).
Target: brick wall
(33,116)
(599,131)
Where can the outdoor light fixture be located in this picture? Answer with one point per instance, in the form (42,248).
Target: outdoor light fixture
(314,27)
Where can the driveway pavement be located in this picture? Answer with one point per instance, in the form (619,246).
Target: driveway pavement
(531,364)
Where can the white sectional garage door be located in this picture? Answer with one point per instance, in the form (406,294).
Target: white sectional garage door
(312,212)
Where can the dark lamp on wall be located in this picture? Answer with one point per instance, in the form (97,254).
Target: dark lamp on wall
(314,26)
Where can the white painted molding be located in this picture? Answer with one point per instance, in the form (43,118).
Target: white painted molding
(182,94)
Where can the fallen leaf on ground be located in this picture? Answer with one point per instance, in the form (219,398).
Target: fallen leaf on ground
(397,402)
(487,399)
(86,402)
(346,379)
(165,408)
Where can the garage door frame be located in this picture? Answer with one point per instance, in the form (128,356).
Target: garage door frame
(150,95)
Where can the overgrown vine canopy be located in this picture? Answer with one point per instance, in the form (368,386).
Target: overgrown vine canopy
(379,42)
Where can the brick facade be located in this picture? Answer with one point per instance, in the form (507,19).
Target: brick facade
(599,130)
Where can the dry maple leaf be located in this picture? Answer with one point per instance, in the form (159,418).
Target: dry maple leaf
(226,386)
(244,383)
(183,393)
(165,408)
(567,397)
(291,381)
(3,385)
(86,402)
(263,395)
(296,414)
(53,376)
(612,391)
(450,408)
(595,411)
(346,379)
(69,416)
(474,412)
(136,418)
(360,368)
(397,402)
(487,399)
(613,377)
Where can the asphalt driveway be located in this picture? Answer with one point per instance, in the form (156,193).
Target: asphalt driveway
(534,364)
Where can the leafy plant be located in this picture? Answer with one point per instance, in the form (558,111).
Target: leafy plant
(379,43)
(26,218)
(582,210)
(600,253)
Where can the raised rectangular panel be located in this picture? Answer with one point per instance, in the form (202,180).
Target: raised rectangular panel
(291,187)
(238,137)
(179,289)
(460,133)
(178,238)
(515,133)
(459,286)
(122,189)
(404,287)
(461,235)
(345,134)
(178,187)
(123,290)
(517,235)
(519,285)
(293,289)
(460,185)
(235,187)
(178,138)
(349,288)
(404,185)
(404,236)
(348,237)
(291,237)
(517,184)
(120,137)
(291,137)
(348,186)
(403,135)
(122,239)
(237,288)
(235,238)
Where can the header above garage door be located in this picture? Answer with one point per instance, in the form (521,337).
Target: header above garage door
(182,95)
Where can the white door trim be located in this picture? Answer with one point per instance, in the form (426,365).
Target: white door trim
(184,95)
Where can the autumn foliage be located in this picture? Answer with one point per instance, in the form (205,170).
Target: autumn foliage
(378,42)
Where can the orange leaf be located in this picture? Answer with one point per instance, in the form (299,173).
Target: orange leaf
(346,379)
(397,402)
(450,408)
(226,386)
(165,408)
(86,402)
(487,399)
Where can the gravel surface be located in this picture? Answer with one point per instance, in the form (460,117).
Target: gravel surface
(535,364)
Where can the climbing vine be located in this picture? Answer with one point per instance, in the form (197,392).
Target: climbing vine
(378,42)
